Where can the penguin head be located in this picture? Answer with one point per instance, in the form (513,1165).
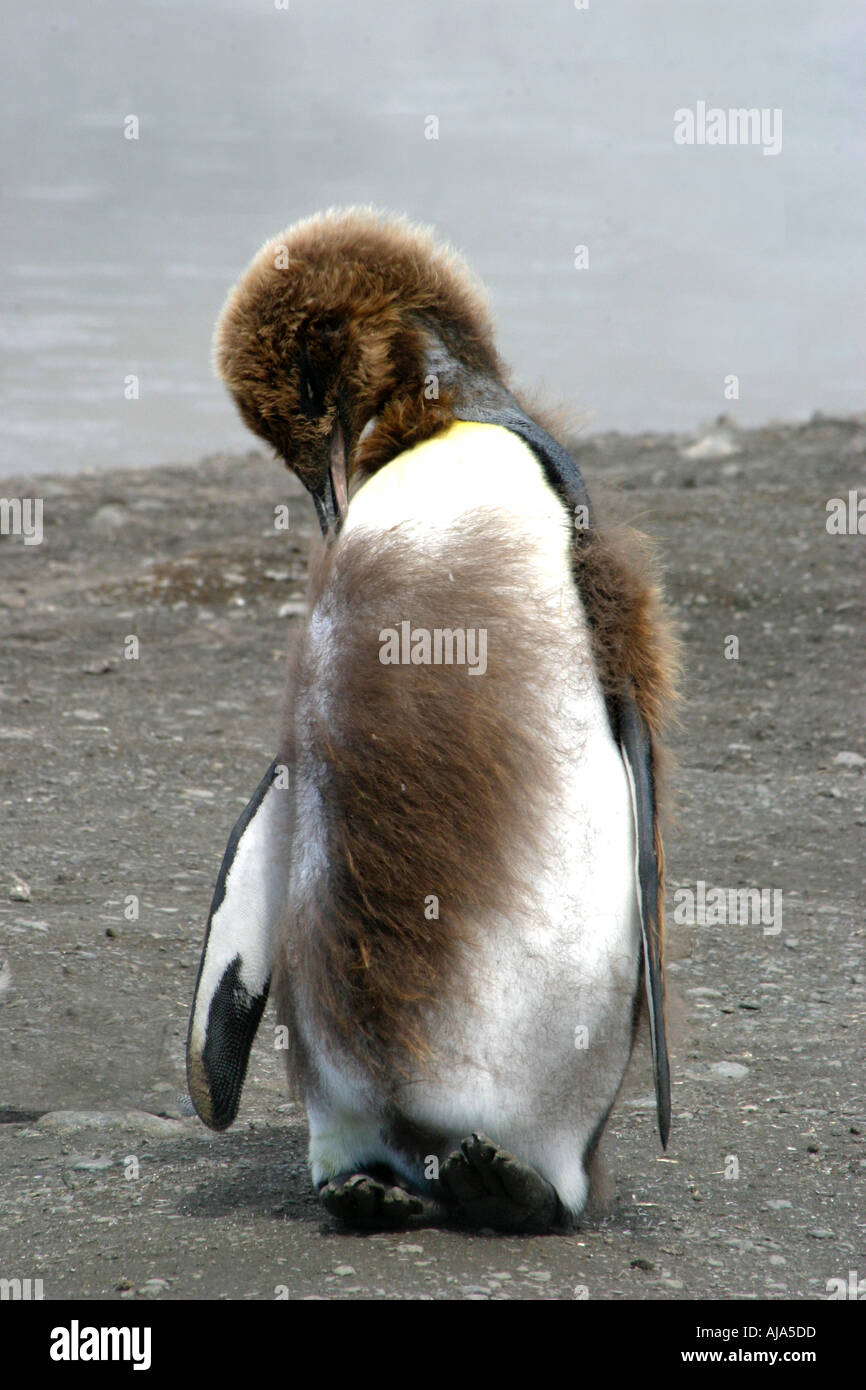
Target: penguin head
(340,320)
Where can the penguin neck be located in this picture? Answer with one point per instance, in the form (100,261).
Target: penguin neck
(471,382)
(439,384)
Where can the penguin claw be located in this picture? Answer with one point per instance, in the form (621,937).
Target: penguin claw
(363,1201)
(490,1187)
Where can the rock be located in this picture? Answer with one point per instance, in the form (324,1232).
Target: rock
(344,1271)
(730,1071)
(20,891)
(851,760)
(69,1121)
(109,518)
(292,608)
(719,445)
(152,1288)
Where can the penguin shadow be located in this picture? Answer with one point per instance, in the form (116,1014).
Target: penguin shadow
(261,1172)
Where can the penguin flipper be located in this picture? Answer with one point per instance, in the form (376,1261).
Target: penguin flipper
(636,748)
(235,971)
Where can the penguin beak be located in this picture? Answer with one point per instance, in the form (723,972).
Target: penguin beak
(331,498)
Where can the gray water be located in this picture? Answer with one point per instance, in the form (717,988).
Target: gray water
(555,129)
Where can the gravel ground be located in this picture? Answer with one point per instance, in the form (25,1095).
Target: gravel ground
(120,779)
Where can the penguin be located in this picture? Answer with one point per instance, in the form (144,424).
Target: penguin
(451,875)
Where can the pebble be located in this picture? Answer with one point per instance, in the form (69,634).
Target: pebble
(777,1204)
(344,1271)
(152,1288)
(731,1071)
(846,759)
(292,608)
(109,518)
(711,446)
(20,891)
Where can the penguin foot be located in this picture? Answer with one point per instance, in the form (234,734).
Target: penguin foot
(490,1187)
(370,1203)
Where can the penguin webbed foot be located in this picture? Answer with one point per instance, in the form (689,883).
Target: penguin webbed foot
(370,1201)
(487,1186)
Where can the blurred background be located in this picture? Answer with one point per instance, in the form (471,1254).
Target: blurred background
(555,129)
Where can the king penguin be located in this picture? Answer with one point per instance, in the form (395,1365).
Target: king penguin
(451,875)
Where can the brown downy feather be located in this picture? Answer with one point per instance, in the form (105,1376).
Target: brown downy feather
(406,797)
(339,301)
